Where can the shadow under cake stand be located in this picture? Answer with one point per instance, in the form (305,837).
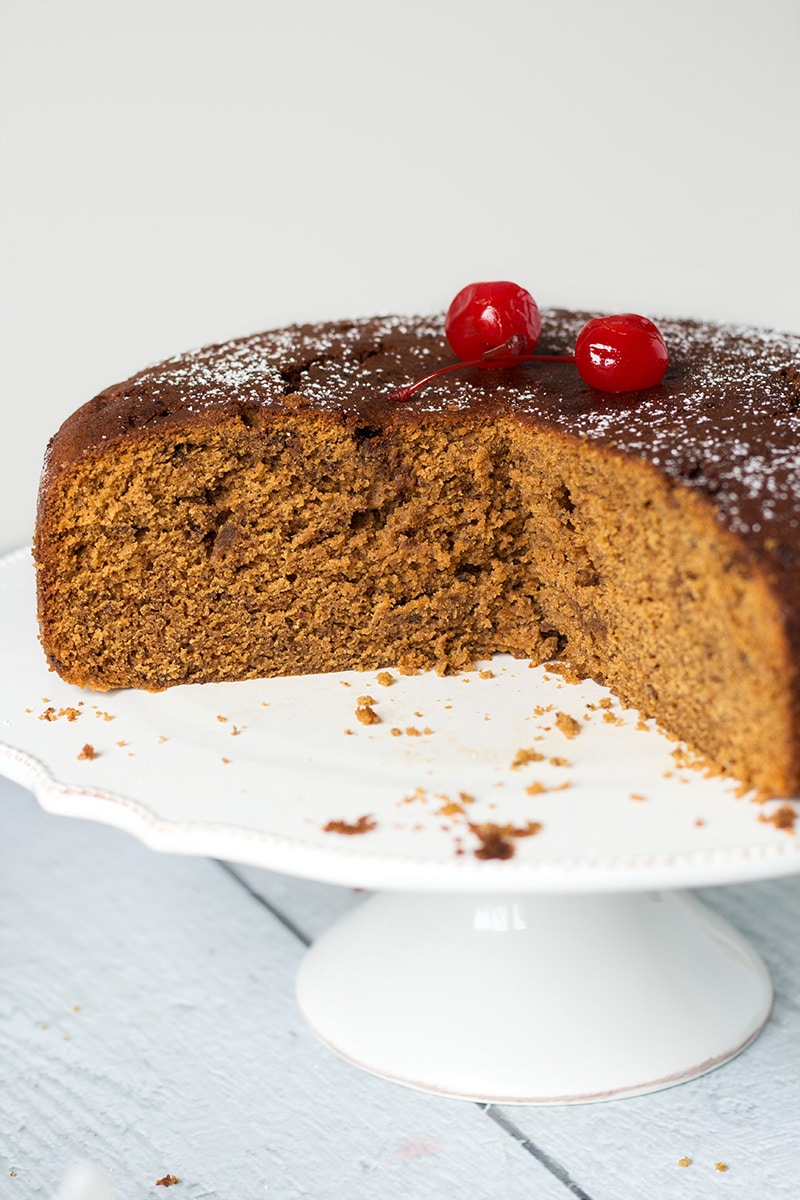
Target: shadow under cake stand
(578,968)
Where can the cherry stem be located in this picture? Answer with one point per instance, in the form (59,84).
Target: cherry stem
(507,355)
(513,347)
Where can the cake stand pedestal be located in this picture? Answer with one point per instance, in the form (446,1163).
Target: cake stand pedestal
(534,999)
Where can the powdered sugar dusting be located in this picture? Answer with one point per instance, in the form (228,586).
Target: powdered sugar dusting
(726,420)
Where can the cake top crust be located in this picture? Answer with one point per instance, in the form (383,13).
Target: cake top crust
(725,420)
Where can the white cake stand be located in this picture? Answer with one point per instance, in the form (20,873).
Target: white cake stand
(579,968)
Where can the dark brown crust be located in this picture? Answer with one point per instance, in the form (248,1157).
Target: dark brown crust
(725,421)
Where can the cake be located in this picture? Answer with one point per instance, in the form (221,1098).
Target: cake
(261,508)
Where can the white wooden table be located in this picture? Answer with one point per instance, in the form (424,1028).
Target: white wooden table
(148,1027)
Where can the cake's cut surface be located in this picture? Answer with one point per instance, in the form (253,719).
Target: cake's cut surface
(259,508)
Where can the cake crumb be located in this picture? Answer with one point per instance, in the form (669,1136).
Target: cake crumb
(49,714)
(367,715)
(364,824)
(71,714)
(226,760)
(536,788)
(685,1161)
(566,671)
(567,724)
(637,796)
(221,718)
(486,674)
(395,732)
(497,841)
(720,1166)
(167,1181)
(783,818)
(385,678)
(412,731)
(558,761)
(88,752)
(366,701)
(418,794)
(525,756)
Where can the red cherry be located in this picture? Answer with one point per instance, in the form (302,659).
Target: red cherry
(487,317)
(623,353)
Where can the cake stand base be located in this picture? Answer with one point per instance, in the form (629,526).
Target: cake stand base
(535,999)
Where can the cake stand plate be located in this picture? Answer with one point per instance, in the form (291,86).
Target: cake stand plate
(517,824)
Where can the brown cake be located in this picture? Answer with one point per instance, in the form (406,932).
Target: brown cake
(259,508)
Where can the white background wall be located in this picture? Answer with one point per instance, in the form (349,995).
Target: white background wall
(180,171)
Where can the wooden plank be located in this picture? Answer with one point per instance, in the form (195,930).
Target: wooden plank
(148,1025)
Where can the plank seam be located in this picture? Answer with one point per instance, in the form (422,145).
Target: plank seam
(279,916)
(550,1164)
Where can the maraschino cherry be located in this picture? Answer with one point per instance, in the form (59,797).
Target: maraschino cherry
(485,317)
(498,325)
(624,353)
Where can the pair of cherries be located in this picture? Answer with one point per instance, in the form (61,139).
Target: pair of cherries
(498,325)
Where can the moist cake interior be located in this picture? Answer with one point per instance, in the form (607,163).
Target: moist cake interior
(272,547)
